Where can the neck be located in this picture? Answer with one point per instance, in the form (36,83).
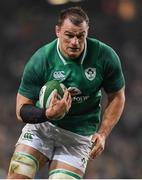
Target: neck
(64,57)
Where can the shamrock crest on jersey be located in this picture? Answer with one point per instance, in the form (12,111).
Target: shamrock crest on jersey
(90,73)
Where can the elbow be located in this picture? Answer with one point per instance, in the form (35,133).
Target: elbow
(19,119)
(123,97)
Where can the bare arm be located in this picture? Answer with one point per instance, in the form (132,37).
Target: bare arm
(110,118)
(112,112)
(56,109)
(20,101)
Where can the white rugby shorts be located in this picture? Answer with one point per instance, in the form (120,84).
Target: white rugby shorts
(57,143)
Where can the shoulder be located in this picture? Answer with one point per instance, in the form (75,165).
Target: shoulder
(41,55)
(103,47)
(108,52)
(104,53)
(93,48)
(92,42)
(46,49)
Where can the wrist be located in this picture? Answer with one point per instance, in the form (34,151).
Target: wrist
(102,133)
(48,113)
(51,114)
(32,115)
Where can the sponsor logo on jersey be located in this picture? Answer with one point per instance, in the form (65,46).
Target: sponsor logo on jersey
(28,136)
(59,75)
(90,73)
(74,91)
(80,99)
(76,95)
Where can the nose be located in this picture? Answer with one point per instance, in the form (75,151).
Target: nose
(75,41)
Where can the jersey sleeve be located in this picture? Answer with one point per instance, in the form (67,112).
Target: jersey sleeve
(113,75)
(32,79)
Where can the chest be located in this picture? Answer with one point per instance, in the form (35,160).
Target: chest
(82,79)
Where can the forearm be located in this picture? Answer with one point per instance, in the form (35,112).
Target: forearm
(27,112)
(112,114)
(32,115)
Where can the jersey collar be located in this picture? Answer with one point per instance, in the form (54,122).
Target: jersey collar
(64,60)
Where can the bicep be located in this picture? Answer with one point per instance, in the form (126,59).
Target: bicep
(20,101)
(118,95)
(113,74)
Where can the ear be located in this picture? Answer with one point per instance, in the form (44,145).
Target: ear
(87,31)
(57,30)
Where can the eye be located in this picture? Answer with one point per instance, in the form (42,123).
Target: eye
(69,35)
(81,36)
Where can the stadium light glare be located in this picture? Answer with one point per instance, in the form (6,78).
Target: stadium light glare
(57,2)
(127,10)
(75,0)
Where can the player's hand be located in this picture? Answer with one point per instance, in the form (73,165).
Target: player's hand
(98,144)
(59,107)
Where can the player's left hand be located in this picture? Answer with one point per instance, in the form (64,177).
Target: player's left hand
(98,144)
(59,106)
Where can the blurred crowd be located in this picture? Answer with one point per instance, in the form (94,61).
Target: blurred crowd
(27,25)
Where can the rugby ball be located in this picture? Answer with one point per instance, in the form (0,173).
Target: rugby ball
(47,91)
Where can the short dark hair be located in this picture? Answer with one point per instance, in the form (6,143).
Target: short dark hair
(76,15)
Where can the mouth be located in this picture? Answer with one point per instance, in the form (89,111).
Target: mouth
(74,49)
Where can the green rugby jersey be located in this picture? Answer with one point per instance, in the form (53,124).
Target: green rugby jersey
(97,67)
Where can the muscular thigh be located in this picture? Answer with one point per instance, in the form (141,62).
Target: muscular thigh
(70,155)
(25,162)
(42,159)
(69,162)
(61,170)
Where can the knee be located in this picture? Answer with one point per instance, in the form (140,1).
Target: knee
(63,174)
(23,164)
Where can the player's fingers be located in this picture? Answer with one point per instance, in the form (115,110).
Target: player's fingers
(66,95)
(94,139)
(97,146)
(54,98)
(95,152)
(67,100)
(63,86)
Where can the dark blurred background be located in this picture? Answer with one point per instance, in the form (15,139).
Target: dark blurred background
(26,25)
